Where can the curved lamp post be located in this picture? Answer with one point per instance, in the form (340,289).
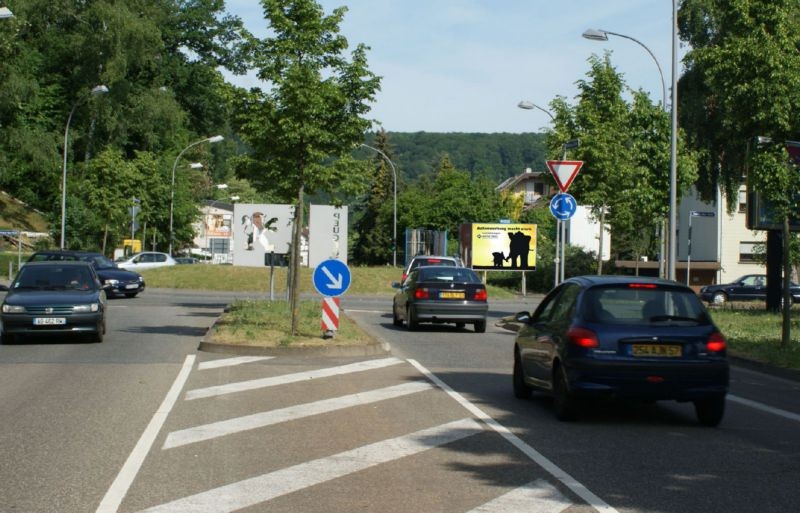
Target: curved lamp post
(101,89)
(214,139)
(602,35)
(394,209)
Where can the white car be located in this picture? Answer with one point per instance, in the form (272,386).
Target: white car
(146,260)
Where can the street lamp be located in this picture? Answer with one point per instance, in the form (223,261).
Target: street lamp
(214,139)
(5,12)
(221,186)
(394,211)
(602,35)
(196,165)
(235,198)
(530,106)
(101,89)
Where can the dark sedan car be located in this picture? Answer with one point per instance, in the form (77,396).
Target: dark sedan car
(750,287)
(441,294)
(120,281)
(622,337)
(54,298)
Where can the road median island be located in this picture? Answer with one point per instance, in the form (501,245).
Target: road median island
(261,327)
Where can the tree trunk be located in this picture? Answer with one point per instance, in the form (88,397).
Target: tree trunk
(297,231)
(105,238)
(600,246)
(787,293)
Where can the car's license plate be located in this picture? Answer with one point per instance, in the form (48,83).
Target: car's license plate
(131,286)
(49,321)
(656,350)
(451,295)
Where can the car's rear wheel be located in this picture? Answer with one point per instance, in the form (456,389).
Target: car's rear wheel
(566,405)
(719,298)
(521,389)
(480,326)
(710,411)
(411,319)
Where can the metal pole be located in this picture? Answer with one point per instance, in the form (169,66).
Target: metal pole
(673,148)
(563,249)
(556,260)
(689,249)
(64,175)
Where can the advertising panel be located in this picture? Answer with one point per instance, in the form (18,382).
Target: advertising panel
(507,247)
(218,225)
(327,234)
(260,229)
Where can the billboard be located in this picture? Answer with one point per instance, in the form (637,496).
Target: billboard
(327,234)
(260,229)
(499,246)
(218,225)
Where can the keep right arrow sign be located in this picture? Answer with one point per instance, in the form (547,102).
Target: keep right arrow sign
(564,171)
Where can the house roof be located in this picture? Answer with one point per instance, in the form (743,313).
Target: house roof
(509,183)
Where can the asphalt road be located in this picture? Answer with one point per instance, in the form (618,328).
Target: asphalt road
(145,422)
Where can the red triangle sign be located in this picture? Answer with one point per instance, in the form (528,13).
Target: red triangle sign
(564,171)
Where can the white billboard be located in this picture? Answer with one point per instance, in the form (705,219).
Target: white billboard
(260,229)
(327,234)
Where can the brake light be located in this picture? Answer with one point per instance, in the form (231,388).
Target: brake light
(421,294)
(716,342)
(583,337)
(480,295)
(433,260)
(642,285)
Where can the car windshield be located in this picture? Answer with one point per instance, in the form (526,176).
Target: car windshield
(54,278)
(448,274)
(643,304)
(100,261)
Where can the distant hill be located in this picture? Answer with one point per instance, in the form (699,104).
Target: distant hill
(15,215)
(497,155)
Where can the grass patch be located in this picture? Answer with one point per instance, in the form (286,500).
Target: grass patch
(267,324)
(756,335)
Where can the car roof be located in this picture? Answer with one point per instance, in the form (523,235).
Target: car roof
(60,263)
(594,280)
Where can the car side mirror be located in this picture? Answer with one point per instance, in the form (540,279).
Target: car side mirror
(523,317)
(396,285)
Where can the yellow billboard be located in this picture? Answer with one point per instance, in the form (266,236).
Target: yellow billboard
(497,246)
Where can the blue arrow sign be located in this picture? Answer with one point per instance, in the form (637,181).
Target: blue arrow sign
(332,278)
(563,206)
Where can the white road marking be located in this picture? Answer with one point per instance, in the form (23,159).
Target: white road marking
(265,487)
(568,481)
(227,362)
(255,384)
(364,311)
(536,497)
(237,425)
(763,407)
(127,474)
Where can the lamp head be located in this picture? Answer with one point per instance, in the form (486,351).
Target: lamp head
(525,105)
(595,35)
(101,89)
(215,139)
(5,12)
(196,165)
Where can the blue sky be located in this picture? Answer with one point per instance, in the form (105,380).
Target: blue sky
(464,65)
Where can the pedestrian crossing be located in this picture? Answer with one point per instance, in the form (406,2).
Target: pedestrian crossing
(238,442)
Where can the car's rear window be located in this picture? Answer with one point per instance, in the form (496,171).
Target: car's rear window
(418,262)
(643,304)
(448,274)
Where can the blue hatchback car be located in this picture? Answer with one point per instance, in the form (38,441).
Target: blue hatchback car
(622,337)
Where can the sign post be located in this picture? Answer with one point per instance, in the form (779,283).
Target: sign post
(563,206)
(331,279)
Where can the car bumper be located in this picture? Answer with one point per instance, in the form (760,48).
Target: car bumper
(682,381)
(450,311)
(126,288)
(22,324)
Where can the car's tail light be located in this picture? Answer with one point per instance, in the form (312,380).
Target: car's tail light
(583,337)
(642,285)
(716,342)
(421,294)
(480,295)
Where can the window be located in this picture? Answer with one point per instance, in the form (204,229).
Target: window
(748,251)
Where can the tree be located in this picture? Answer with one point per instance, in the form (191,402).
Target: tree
(375,222)
(312,113)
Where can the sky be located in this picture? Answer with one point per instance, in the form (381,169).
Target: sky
(464,65)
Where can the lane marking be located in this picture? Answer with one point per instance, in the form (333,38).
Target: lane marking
(353,310)
(763,407)
(268,418)
(227,362)
(254,384)
(567,480)
(265,487)
(127,473)
(536,497)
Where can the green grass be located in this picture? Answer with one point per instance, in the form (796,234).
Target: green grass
(756,334)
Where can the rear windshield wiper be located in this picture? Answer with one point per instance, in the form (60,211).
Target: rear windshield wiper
(659,318)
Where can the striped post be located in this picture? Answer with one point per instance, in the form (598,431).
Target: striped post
(330,316)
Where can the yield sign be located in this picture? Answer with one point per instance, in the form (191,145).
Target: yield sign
(564,171)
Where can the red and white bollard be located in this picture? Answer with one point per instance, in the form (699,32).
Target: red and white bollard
(330,316)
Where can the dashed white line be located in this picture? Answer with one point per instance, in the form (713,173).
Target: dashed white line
(228,362)
(763,407)
(263,419)
(127,474)
(265,487)
(567,480)
(536,497)
(255,384)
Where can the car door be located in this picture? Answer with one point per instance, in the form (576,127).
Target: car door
(746,289)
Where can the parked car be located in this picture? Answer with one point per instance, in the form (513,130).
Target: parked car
(146,260)
(55,297)
(749,287)
(622,337)
(120,281)
(441,294)
(421,260)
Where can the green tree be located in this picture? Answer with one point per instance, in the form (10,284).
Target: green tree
(375,223)
(312,113)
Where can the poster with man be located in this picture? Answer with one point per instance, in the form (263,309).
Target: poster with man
(260,229)
(506,247)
